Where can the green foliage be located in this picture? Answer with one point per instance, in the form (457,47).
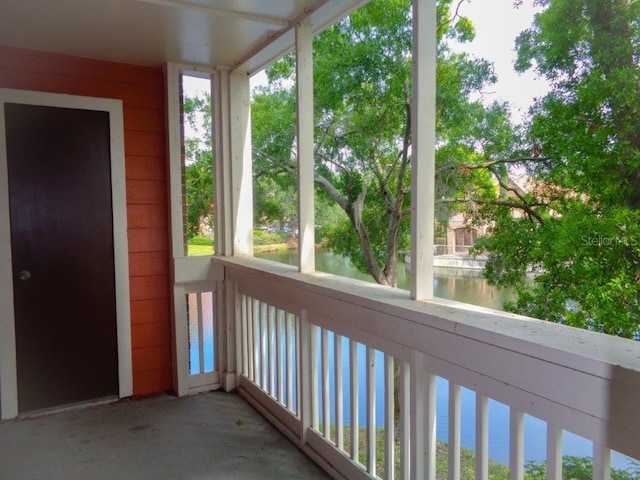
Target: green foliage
(199,164)
(263,237)
(581,230)
(578,468)
(362,94)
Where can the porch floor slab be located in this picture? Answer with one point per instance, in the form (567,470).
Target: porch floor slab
(208,436)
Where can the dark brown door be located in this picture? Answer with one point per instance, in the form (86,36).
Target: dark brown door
(62,253)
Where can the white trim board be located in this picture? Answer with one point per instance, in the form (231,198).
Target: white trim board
(8,376)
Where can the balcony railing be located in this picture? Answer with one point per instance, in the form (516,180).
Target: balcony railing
(317,353)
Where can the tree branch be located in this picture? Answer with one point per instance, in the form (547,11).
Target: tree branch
(526,207)
(475,166)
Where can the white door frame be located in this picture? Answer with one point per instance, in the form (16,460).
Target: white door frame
(8,372)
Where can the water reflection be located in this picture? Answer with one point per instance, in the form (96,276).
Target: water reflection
(463,285)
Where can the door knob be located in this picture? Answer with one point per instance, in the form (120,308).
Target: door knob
(24,275)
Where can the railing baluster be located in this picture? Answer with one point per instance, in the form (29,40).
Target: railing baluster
(279,376)
(353,390)
(307,374)
(423,413)
(405,421)
(271,342)
(209,327)
(315,403)
(482,437)
(432,444)
(256,339)
(601,462)
(389,418)
(338,397)
(299,344)
(454,431)
(554,452)
(264,361)
(252,343)
(244,366)
(326,408)
(200,321)
(371,410)
(289,328)
(516,445)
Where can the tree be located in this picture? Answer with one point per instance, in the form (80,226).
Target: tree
(581,224)
(362,83)
(198,165)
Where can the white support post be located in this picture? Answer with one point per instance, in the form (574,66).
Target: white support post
(423,134)
(221,141)
(222,171)
(241,166)
(304,94)
(174,122)
(179,333)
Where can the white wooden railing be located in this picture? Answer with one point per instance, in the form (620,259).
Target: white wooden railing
(301,341)
(196,332)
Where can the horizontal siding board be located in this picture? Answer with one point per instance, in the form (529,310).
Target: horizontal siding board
(146,192)
(151,358)
(131,94)
(144,144)
(148,263)
(148,240)
(146,168)
(151,381)
(149,287)
(144,119)
(153,310)
(86,68)
(150,334)
(147,216)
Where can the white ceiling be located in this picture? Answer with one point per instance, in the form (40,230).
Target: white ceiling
(209,33)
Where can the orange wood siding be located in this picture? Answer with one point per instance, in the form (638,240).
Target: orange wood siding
(142,91)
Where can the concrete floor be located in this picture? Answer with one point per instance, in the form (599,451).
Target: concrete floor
(209,436)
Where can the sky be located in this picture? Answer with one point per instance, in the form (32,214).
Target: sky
(498,24)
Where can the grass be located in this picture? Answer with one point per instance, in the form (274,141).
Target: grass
(200,246)
(199,250)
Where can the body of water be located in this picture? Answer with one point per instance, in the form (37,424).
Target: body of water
(463,285)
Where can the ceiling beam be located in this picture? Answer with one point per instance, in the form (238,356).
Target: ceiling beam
(322,13)
(275,36)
